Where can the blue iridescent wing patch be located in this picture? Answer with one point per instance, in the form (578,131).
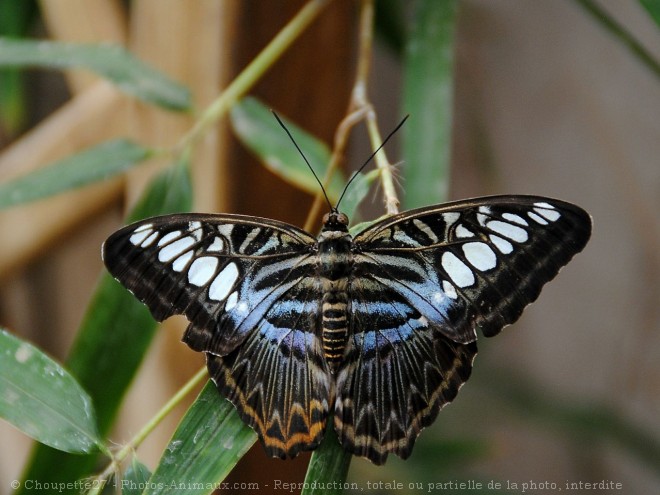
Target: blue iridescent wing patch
(379,329)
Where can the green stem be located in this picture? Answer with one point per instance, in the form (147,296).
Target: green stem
(328,467)
(133,444)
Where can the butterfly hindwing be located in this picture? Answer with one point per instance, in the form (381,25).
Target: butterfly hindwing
(278,378)
(398,372)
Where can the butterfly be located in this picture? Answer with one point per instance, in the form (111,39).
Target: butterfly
(376,331)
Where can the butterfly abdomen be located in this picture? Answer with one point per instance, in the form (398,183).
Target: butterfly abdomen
(335,262)
(334,321)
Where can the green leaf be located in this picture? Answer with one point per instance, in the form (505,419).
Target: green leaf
(109,61)
(114,337)
(328,466)
(94,164)
(135,478)
(15,20)
(258,130)
(357,191)
(652,7)
(207,444)
(390,25)
(625,37)
(428,88)
(40,398)
(13,109)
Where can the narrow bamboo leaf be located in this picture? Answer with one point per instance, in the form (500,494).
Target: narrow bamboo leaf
(94,164)
(652,7)
(13,110)
(15,20)
(390,25)
(256,127)
(113,338)
(356,192)
(40,398)
(328,466)
(624,36)
(135,478)
(428,98)
(109,61)
(207,444)
(130,482)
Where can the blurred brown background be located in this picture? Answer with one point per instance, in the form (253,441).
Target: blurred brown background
(546,102)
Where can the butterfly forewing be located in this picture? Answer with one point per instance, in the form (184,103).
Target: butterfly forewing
(479,262)
(268,303)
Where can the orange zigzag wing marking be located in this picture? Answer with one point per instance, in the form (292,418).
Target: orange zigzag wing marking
(290,415)
(408,384)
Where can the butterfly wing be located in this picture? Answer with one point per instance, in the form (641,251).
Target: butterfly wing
(247,287)
(423,282)
(278,378)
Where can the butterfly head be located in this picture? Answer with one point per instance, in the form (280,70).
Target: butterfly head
(335,221)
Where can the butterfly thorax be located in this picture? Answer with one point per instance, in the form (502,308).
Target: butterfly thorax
(335,262)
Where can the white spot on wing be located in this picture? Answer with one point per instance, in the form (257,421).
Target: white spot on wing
(195,228)
(449,289)
(140,234)
(509,231)
(480,255)
(451,218)
(202,270)
(537,218)
(225,229)
(174,249)
(483,214)
(459,272)
(170,236)
(512,217)
(149,240)
(462,232)
(552,215)
(145,226)
(543,204)
(231,301)
(182,261)
(217,245)
(505,247)
(223,282)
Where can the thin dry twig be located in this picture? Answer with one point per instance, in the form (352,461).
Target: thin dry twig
(359,109)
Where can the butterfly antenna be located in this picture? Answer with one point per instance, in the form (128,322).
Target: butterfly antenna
(304,158)
(368,160)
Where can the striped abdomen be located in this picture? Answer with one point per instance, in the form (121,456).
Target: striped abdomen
(335,262)
(333,321)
